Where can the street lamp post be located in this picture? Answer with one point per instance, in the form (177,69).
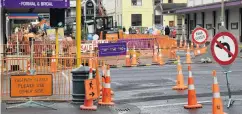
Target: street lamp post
(78,32)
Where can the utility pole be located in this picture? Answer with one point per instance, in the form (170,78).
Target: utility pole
(78,31)
(222,13)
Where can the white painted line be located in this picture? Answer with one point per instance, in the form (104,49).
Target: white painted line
(175,104)
(117,83)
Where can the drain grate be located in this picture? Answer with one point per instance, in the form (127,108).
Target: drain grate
(122,109)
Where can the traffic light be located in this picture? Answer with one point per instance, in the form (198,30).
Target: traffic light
(57,17)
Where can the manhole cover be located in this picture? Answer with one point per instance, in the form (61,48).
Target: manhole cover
(126,109)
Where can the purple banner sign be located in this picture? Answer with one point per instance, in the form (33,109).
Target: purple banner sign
(36,3)
(139,43)
(112,49)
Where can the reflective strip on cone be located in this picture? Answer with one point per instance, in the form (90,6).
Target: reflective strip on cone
(191,87)
(107,85)
(190,74)
(216,95)
(215,80)
(198,51)
(179,72)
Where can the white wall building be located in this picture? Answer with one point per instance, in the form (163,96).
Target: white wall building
(207,13)
(114,8)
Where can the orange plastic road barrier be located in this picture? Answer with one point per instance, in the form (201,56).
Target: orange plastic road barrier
(134,58)
(192,98)
(188,56)
(200,51)
(88,104)
(217,101)
(127,58)
(180,78)
(106,96)
(53,63)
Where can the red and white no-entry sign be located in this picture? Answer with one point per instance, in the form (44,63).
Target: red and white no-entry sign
(199,35)
(224,48)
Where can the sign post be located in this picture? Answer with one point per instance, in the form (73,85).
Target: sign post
(224,49)
(31,86)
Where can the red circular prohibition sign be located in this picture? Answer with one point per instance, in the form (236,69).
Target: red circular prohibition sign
(234,56)
(193,37)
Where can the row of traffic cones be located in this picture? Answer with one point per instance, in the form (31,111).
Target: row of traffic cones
(131,60)
(184,45)
(104,87)
(192,99)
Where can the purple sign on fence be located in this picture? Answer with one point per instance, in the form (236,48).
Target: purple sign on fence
(36,3)
(139,43)
(112,49)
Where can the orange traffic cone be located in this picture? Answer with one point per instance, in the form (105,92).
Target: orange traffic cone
(154,54)
(53,63)
(185,44)
(127,58)
(160,58)
(217,101)
(88,104)
(134,58)
(197,46)
(188,56)
(90,63)
(192,98)
(180,78)
(180,44)
(107,97)
(192,46)
(28,67)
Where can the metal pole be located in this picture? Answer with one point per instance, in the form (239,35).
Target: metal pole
(222,13)
(230,102)
(56,44)
(78,31)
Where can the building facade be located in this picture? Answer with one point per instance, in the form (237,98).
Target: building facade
(207,14)
(129,13)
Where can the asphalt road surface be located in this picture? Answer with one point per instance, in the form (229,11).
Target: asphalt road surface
(150,88)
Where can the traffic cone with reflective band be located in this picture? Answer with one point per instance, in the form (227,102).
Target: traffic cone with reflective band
(103,77)
(127,58)
(192,46)
(160,58)
(180,45)
(185,44)
(28,66)
(200,51)
(99,87)
(197,46)
(53,63)
(188,56)
(90,63)
(88,104)
(107,97)
(217,101)
(134,58)
(154,54)
(180,78)
(192,98)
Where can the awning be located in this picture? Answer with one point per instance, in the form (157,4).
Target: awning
(169,8)
(23,16)
(209,6)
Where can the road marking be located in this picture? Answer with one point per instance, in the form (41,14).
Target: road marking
(175,104)
(116,83)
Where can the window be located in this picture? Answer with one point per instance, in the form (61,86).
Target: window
(158,19)
(136,2)
(170,1)
(136,19)
(157,2)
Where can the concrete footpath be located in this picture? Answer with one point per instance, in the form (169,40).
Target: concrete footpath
(68,108)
